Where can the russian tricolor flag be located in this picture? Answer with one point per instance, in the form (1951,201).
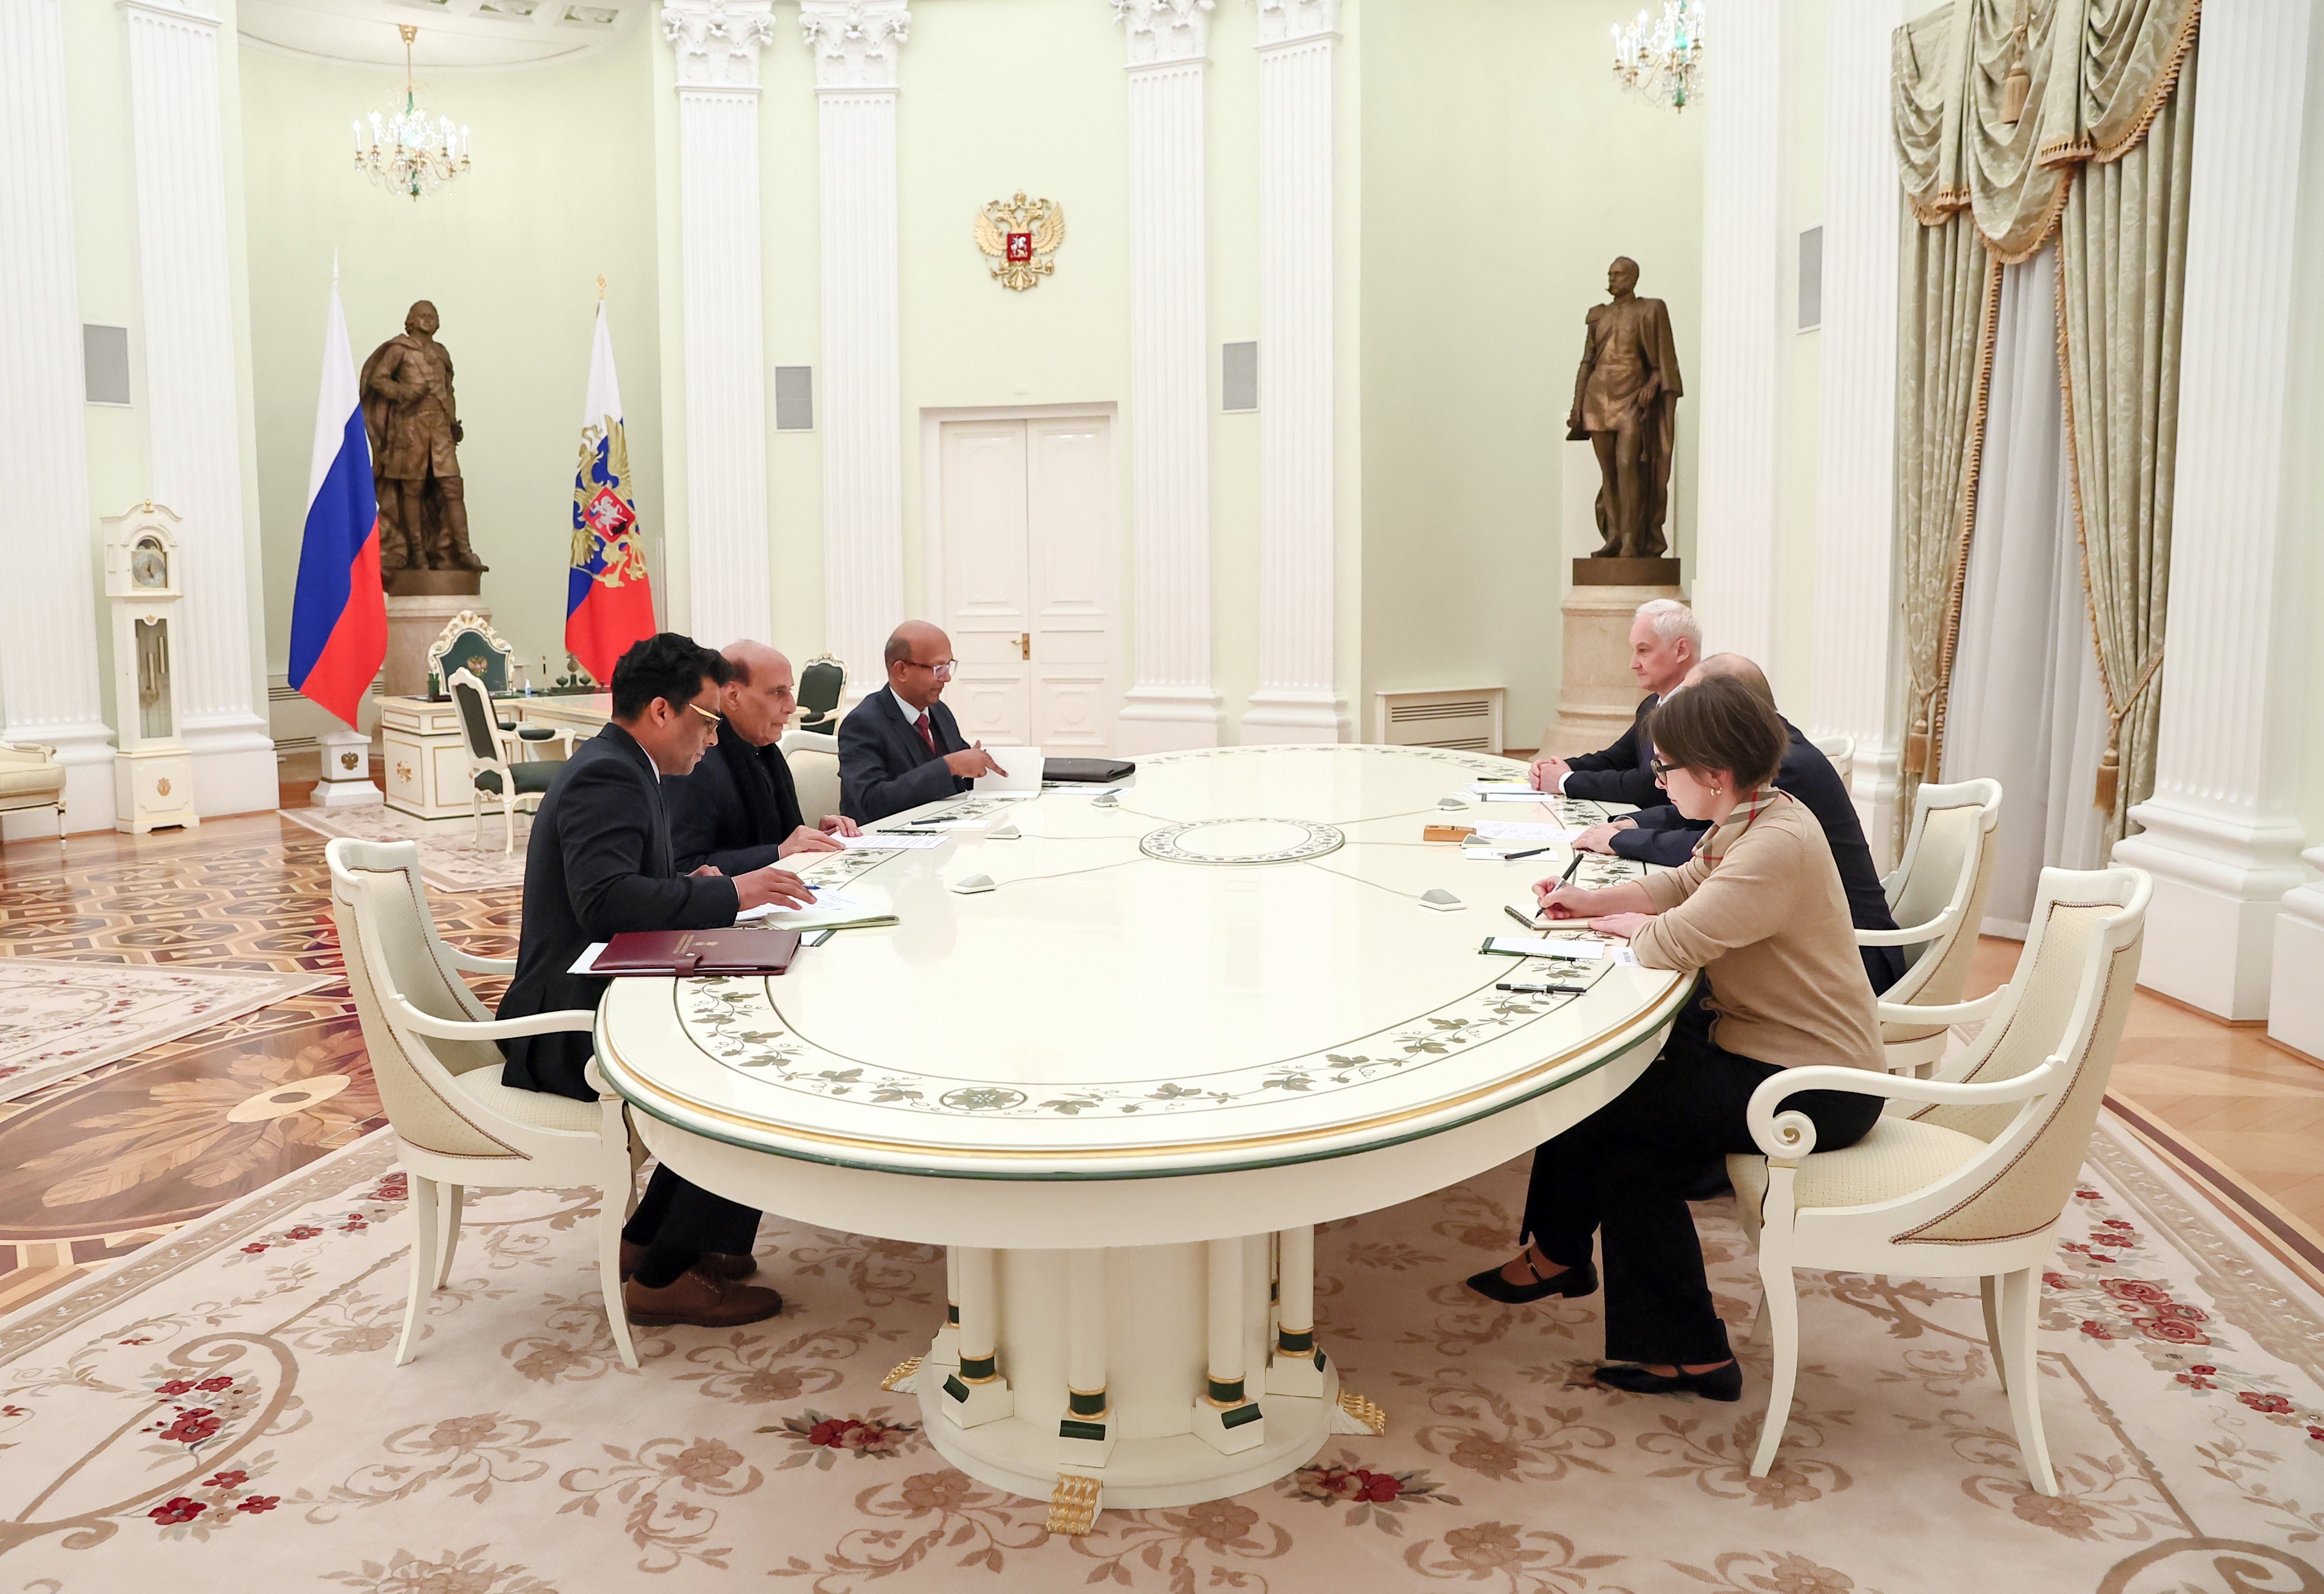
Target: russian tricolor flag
(338,619)
(608,601)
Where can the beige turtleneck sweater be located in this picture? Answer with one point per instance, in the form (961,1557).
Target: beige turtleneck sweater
(1760,909)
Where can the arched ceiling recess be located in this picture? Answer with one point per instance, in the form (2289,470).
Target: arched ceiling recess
(452,33)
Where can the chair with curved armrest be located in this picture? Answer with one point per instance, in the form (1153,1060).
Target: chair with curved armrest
(433,1054)
(1841,751)
(1937,893)
(814,760)
(498,767)
(822,682)
(1969,1180)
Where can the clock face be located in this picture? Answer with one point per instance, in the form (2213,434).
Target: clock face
(149,566)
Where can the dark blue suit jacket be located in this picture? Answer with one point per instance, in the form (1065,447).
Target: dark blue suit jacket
(1623,773)
(885,768)
(1666,835)
(736,811)
(599,862)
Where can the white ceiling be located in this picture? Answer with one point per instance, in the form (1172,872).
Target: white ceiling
(452,33)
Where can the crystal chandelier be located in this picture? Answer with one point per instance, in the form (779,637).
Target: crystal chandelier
(407,154)
(1662,61)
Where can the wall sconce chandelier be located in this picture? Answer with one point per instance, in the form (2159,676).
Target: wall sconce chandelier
(407,154)
(1662,61)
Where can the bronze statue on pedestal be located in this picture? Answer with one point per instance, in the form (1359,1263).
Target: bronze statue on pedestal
(1625,402)
(413,424)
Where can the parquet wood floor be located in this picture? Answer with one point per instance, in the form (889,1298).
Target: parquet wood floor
(2232,1111)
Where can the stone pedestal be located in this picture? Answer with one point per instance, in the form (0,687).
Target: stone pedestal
(1598,695)
(347,772)
(413,625)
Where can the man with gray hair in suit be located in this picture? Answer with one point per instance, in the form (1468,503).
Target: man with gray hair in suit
(1665,643)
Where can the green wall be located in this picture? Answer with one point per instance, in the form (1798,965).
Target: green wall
(562,190)
(1502,170)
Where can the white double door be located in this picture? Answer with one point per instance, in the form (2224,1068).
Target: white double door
(1029,579)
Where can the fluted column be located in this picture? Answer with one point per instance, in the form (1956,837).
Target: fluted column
(1735,540)
(717,44)
(1298,698)
(2221,837)
(856,44)
(192,410)
(50,672)
(1172,704)
(1855,442)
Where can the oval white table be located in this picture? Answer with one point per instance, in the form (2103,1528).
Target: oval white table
(1187,1023)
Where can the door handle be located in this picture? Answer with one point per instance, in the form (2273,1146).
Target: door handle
(1025,644)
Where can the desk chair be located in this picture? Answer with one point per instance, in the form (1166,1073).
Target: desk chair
(500,765)
(814,759)
(821,684)
(433,1054)
(1937,893)
(1971,1180)
(1841,751)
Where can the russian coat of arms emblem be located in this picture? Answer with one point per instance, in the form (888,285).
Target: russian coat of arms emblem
(1020,239)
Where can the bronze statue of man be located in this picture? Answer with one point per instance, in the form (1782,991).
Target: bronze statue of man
(413,424)
(1625,402)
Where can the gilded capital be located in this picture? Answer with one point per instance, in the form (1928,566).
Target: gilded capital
(856,41)
(717,42)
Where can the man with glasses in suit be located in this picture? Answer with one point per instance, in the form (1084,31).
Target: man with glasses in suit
(901,747)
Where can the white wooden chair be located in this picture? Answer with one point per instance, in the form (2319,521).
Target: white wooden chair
(433,1054)
(31,776)
(500,762)
(1937,893)
(1972,1179)
(1841,751)
(814,758)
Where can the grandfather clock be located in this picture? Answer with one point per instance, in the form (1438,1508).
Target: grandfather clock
(152,773)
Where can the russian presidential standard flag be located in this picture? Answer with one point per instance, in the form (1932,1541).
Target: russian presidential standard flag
(339,619)
(608,601)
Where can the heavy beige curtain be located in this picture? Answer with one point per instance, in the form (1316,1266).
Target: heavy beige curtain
(2015,119)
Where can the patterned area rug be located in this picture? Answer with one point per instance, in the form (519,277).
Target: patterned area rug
(451,856)
(220,1412)
(59,1018)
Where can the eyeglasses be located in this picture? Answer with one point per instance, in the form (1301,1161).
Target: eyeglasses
(1660,768)
(941,671)
(706,713)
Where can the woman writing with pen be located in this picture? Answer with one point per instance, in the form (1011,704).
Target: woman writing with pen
(1760,912)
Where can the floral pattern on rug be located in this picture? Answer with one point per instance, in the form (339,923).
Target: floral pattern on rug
(59,1018)
(225,1416)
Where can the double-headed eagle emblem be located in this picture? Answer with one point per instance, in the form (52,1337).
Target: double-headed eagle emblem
(604,526)
(1019,236)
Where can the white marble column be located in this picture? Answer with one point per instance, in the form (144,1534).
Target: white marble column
(856,44)
(2221,839)
(1856,428)
(49,673)
(1736,537)
(1298,698)
(717,44)
(192,410)
(2295,1007)
(1172,704)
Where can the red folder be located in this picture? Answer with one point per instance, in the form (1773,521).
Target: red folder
(684,952)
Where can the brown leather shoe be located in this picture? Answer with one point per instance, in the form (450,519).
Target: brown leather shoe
(704,1302)
(716,1263)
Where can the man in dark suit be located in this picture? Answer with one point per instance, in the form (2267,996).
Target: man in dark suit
(901,747)
(1665,643)
(739,811)
(599,864)
(1663,835)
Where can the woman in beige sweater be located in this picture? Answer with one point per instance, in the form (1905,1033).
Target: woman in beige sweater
(1760,911)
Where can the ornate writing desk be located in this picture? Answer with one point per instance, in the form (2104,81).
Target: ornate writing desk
(1123,1085)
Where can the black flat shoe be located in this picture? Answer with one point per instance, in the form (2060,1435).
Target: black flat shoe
(1581,1279)
(1719,1383)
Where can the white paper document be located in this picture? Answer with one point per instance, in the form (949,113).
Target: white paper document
(1512,794)
(1486,788)
(1580,952)
(888,841)
(1024,765)
(832,909)
(587,961)
(1522,831)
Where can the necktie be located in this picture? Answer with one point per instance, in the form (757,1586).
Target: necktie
(921,724)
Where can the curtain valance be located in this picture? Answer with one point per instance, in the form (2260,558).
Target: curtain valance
(2093,73)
